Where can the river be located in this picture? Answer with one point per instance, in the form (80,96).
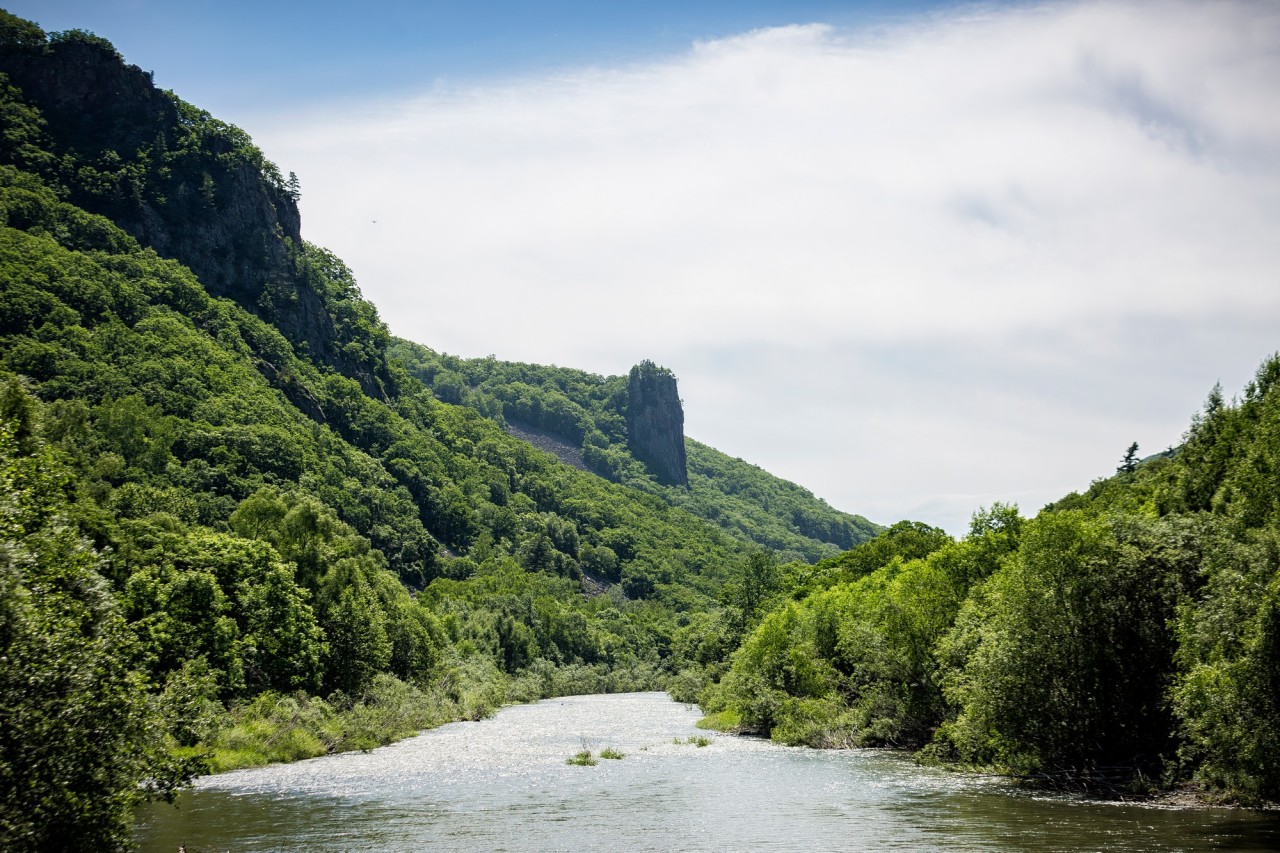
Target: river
(502,784)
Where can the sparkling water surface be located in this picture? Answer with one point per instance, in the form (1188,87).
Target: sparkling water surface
(502,785)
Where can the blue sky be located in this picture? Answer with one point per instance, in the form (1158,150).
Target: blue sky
(226,55)
(916,257)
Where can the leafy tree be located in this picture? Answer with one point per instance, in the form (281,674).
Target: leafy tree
(777,664)
(356,627)
(79,743)
(638,582)
(753,581)
(285,646)
(16,32)
(1062,660)
(1227,693)
(602,562)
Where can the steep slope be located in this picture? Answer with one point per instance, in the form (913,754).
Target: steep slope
(216,496)
(154,164)
(430,484)
(596,414)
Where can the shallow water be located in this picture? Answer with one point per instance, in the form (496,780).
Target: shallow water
(502,784)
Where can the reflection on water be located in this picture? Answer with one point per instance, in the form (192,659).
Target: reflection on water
(502,784)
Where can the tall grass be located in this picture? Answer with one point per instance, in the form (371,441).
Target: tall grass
(274,728)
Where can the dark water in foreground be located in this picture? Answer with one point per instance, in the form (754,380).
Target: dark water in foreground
(502,785)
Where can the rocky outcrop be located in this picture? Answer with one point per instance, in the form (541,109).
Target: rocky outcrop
(655,423)
(182,183)
(118,125)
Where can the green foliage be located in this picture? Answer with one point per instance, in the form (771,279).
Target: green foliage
(17,33)
(274,512)
(23,141)
(853,663)
(79,742)
(1061,662)
(1128,633)
(226,601)
(276,727)
(753,582)
(174,398)
(215,508)
(356,626)
(776,663)
(587,413)
(728,720)
(1129,463)
(1227,694)
(906,540)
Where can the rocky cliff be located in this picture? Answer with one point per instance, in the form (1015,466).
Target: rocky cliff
(186,185)
(655,423)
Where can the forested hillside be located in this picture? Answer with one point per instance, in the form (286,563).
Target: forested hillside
(220,494)
(1126,638)
(590,413)
(240,523)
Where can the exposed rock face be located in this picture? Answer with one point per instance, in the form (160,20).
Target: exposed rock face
(548,443)
(655,423)
(219,208)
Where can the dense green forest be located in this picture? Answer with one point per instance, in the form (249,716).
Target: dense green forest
(236,529)
(1126,638)
(588,412)
(240,523)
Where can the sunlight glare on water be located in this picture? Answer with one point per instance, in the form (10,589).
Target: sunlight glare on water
(502,784)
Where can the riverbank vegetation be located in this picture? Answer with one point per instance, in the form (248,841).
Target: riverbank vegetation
(235,530)
(1126,638)
(582,759)
(240,524)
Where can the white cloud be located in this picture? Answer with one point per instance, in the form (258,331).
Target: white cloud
(917,270)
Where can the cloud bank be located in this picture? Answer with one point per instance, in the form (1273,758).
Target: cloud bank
(965,259)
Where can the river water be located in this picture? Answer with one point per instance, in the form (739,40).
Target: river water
(502,784)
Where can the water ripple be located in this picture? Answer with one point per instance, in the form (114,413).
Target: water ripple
(502,784)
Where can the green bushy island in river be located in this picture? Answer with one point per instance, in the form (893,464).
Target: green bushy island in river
(240,523)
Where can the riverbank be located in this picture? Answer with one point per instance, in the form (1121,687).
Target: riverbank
(1143,791)
(502,783)
(275,728)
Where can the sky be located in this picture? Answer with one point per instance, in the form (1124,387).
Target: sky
(917,257)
